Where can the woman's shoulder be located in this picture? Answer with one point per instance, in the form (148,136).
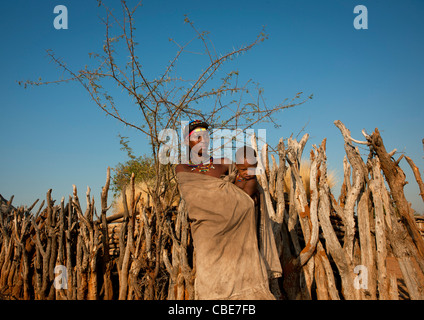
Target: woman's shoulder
(180,168)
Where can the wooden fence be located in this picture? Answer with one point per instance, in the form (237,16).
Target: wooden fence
(367,244)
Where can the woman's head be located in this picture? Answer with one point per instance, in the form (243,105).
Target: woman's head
(197,139)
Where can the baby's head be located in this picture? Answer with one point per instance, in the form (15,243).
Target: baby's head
(246,162)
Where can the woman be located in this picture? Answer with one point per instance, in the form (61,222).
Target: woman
(229,264)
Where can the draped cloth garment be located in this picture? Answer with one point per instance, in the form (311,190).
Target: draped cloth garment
(229,264)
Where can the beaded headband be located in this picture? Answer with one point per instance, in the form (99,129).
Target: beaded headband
(197,130)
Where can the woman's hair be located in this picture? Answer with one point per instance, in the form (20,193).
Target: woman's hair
(193,125)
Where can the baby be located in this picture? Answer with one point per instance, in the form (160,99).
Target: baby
(246,166)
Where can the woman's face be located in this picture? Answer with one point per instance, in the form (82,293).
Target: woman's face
(198,142)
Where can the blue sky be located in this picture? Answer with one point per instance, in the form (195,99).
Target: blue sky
(54,136)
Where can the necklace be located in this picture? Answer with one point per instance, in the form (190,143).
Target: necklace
(240,178)
(202,167)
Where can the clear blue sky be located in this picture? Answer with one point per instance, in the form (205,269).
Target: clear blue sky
(54,136)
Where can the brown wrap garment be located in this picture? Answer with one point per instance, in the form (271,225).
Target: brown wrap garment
(229,263)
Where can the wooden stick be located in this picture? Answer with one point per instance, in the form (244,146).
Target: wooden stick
(417,175)
(108,288)
(396,180)
(380,230)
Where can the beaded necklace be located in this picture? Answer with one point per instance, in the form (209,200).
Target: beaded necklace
(202,167)
(240,178)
